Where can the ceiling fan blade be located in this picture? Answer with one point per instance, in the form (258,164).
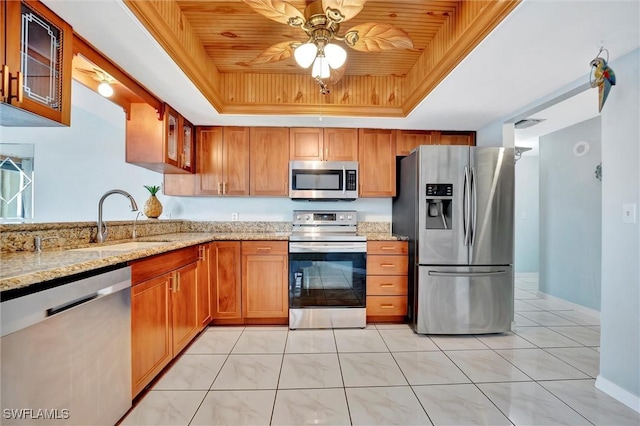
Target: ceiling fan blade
(277,10)
(337,74)
(376,37)
(347,8)
(277,52)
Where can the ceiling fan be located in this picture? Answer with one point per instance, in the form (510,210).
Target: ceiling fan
(321,22)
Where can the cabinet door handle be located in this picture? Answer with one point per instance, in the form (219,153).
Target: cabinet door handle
(178,280)
(263,248)
(387,265)
(19,78)
(387,285)
(326,153)
(219,187)
(171,284)
(224,187)
(387,248)
(387,305)
(201,253)
(4,90)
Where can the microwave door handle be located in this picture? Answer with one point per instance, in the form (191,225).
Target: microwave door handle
(344,180)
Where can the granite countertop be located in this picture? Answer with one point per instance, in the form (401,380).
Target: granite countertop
(22,269)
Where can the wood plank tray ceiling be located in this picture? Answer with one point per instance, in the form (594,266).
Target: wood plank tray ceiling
(214,41)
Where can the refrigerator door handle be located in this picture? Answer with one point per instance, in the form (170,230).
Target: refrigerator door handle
(474,208)
(466,274)
(466,206)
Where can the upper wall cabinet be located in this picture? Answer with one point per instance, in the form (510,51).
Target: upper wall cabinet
(377,156)
(163,143)
(313,143)
(269,161)
(407,140)
(222,164)
(454,138)
(36,54)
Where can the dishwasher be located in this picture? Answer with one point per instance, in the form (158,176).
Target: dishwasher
(65,352)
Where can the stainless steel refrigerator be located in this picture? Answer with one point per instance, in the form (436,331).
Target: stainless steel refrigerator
(455,203)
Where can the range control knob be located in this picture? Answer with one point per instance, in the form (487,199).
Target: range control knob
(341,217)
(349,217)
(298,217)
(307,217)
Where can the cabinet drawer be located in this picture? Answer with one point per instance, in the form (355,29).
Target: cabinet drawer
(387,247)
(386,285)
(265,247)
(387,265)
(386,305)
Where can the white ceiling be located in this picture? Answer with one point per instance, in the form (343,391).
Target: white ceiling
(540,47)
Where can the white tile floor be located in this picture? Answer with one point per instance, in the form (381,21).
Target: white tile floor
(542,374)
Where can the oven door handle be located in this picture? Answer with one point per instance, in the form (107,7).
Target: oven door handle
(333,247)
(344,180)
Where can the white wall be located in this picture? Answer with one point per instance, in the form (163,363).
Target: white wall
(570,215)
(620,318)
(526,215)
(75,165)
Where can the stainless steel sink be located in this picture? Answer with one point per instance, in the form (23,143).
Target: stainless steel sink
(131,245)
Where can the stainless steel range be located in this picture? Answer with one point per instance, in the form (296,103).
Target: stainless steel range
(327,270)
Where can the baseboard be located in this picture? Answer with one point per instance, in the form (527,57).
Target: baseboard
(574,306)
(527,276)
(627,398)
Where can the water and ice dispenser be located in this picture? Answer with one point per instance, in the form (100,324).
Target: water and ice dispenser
(439,206)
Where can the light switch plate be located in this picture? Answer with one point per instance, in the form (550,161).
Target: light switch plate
(629,212)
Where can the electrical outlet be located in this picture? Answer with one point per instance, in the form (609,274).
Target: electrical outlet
(629,213)
(234,217)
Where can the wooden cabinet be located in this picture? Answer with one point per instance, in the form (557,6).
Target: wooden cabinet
(454,138)
(184,303)
(329,144)
(36,55)
(164,316)
(222,164)
(265,280)
(269,161)
(163,142)
(226,285)
(387,269)
(204,286)
(407,140)
(377,157)
(151,337)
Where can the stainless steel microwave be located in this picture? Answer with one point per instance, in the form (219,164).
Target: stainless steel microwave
(323,180)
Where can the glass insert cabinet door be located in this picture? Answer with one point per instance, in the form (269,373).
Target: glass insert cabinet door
(38,60)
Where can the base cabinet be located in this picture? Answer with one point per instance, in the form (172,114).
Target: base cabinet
(226,286)
(387,268)
(164,315)
(265,272)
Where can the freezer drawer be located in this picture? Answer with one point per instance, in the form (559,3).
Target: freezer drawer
(464,300)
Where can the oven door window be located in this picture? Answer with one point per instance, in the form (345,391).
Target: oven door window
(327,280)
(318,180)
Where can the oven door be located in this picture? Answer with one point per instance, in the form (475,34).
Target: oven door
(327,276)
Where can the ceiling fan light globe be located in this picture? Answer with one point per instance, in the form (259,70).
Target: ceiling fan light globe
(336,55)
(305,54)
(321,68)
(105,89)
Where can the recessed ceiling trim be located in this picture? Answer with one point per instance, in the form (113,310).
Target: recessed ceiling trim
(376,96)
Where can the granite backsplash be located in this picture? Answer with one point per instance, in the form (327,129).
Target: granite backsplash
(20,237)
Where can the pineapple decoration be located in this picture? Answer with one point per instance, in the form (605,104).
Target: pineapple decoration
(152,207)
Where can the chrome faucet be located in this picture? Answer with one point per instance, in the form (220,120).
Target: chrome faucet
(102,227)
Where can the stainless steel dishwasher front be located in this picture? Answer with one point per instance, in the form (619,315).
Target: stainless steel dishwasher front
(66,353)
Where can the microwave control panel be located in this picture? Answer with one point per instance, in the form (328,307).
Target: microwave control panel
(351,184)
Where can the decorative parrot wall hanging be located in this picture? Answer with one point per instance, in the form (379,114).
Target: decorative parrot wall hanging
(602,77)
